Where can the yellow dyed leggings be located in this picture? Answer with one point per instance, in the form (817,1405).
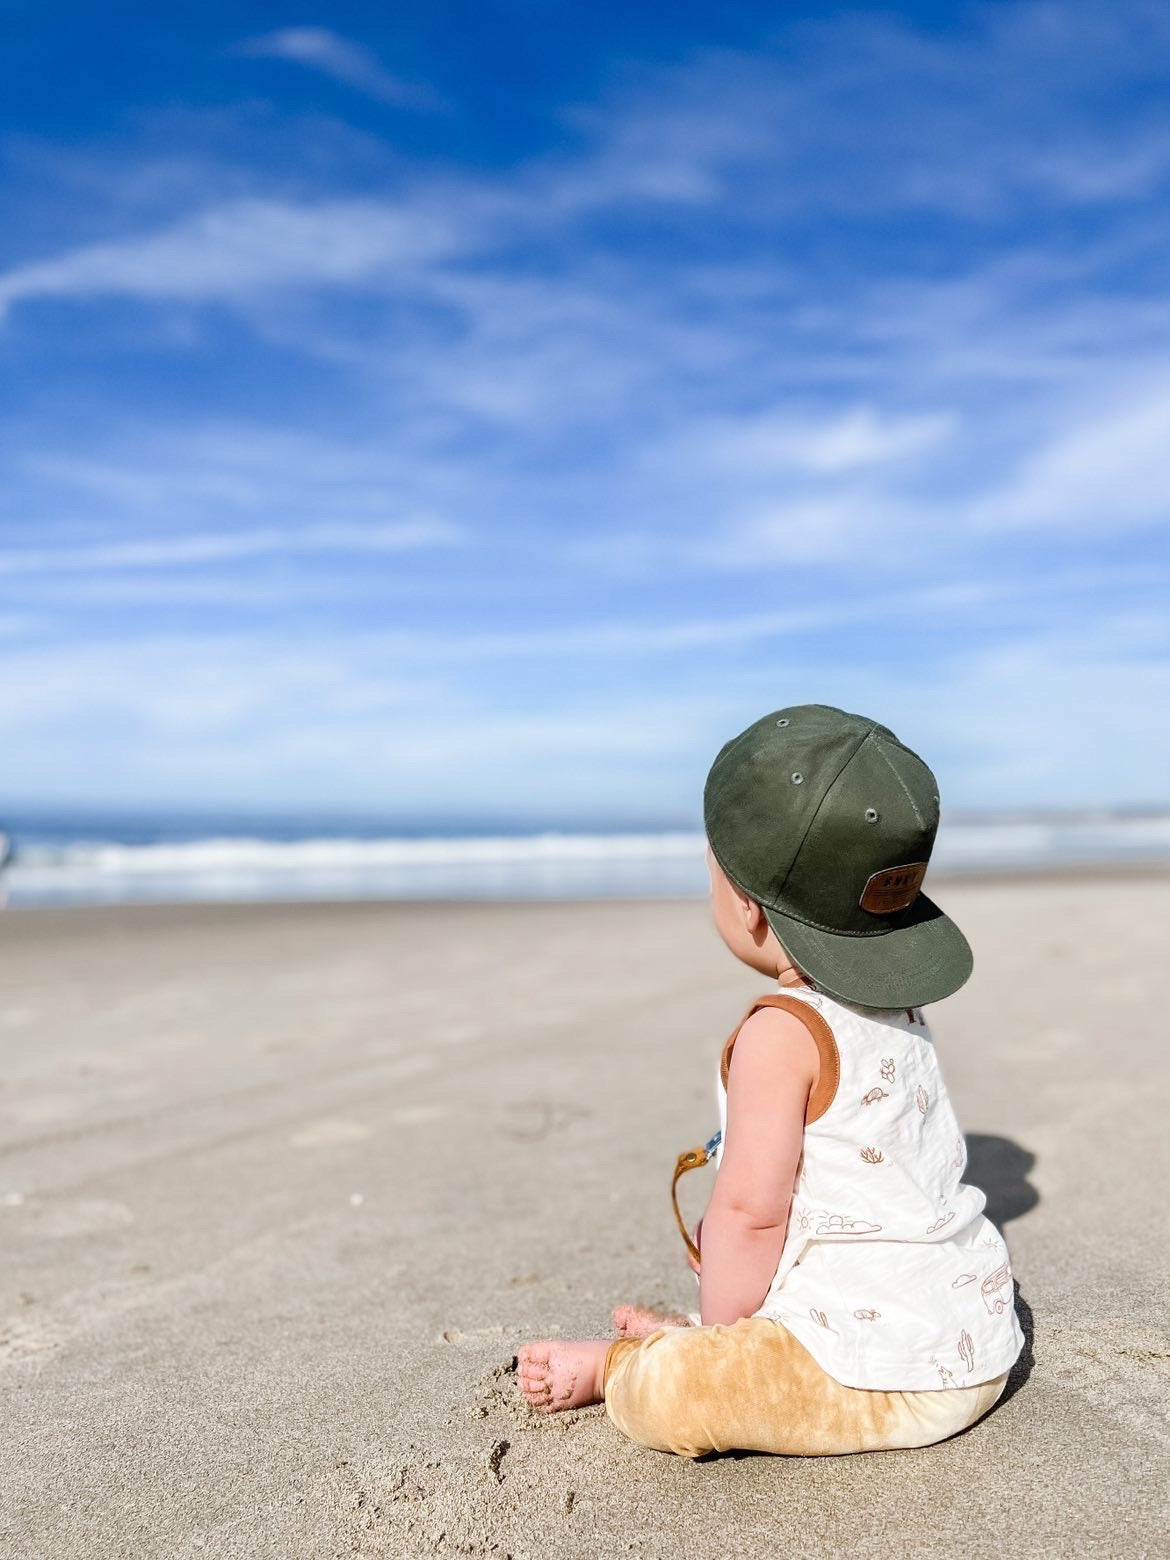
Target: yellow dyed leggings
(753,1387)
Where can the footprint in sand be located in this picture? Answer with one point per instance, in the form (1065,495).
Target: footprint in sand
(44,1219)
(417,1115)
(45,1109)
(324,1134)
(475,1335)
(458,1034)
(531,1121)
(19,1339)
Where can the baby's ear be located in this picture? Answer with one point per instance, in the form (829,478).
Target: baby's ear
(752,914)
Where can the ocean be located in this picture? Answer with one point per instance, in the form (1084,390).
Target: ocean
(78,861)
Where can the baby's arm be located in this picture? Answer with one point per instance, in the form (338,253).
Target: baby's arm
(773,1069)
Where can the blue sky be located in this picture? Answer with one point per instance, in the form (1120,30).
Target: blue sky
(480,412)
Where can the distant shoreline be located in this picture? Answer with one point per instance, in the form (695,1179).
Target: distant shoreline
(154,863)
(204,908)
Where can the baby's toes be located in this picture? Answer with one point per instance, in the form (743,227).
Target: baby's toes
(537,1389)
(532,1374)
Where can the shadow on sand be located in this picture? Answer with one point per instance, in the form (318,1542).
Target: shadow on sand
(1000,1168)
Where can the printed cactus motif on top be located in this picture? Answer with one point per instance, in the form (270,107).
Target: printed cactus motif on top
(882,1221)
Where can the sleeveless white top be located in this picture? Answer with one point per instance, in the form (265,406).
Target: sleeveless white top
(890,1276)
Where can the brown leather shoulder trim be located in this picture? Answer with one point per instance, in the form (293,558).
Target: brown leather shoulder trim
(725,1059)
(829,1073)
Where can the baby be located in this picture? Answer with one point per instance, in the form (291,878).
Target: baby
(852,1295)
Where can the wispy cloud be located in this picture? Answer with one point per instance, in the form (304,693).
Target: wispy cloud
(344,61)
(238,251)
(784,441)
(227,547)
(865,115)
(1108,472)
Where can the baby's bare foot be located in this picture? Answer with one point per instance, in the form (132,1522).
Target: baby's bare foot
(557,1374)
(638,1321)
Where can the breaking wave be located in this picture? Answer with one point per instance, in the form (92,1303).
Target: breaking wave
(79,869)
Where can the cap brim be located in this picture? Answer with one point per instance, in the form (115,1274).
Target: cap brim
(922,960)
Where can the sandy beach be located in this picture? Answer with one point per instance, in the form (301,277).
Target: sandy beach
(282,1188)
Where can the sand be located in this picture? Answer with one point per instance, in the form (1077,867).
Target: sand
(282,1188)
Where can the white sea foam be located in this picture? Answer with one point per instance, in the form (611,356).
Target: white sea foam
(547,865)
(310,854)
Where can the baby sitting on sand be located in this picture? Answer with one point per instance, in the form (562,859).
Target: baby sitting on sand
(852,1295)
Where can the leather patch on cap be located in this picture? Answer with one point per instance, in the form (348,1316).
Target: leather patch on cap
(893,889)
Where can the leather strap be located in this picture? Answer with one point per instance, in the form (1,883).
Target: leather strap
(691,1160)
(819,1100)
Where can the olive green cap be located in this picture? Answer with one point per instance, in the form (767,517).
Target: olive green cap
(828,822)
